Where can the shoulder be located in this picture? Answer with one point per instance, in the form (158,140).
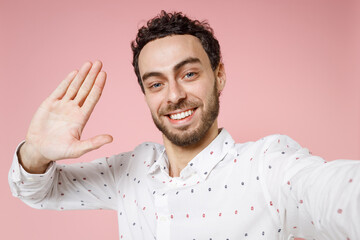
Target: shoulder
(275,144)
(271,141)
(149,145)
(146,151)
(141,149)
(136,161)
(147,148)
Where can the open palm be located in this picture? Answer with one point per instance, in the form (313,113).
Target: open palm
(55,130)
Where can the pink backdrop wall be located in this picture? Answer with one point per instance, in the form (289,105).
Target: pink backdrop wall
(292,68)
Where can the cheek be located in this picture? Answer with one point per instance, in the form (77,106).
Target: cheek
(203,87)
(154,103)
(201,91)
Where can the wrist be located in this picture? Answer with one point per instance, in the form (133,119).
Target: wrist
(31,160)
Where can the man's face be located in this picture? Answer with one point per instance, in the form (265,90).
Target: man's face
(181,89)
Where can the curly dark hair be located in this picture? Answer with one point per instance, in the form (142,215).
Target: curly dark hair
(176,23)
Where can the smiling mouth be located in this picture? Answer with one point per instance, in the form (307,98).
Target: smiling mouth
(181,115)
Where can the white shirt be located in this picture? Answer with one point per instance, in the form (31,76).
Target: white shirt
(268,189)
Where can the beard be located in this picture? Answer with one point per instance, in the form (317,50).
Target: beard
(187,138)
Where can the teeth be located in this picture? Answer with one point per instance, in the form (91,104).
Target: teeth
(181,115)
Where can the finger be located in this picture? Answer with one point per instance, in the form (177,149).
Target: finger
(93,143)
(76,83)
(60,90)
(88,83)
(94,94)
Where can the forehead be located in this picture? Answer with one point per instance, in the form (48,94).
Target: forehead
(163,54)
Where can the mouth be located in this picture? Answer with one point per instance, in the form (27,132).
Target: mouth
(181,115)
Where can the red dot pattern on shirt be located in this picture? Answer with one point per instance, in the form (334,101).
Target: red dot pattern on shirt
(339,211)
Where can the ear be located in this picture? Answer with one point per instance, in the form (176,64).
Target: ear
(220,77)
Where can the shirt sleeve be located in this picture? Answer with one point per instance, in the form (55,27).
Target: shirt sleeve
(313,199)
(90,185)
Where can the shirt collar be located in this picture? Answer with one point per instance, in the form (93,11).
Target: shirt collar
(208,158)
(203,163)
(160,163)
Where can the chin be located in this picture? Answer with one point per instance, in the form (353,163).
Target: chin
(184,136)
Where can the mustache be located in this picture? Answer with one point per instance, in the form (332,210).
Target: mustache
(184,104)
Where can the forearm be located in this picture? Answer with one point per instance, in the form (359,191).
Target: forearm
(65,187)
(328,198)
(311,197)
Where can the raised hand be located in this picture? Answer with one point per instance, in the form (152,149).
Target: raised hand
(56,128)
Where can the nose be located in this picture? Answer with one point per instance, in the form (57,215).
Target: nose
(176,93)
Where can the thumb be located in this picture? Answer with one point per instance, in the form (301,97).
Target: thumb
(93,143)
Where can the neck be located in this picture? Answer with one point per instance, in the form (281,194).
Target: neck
(180,156)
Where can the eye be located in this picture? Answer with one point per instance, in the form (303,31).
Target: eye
(156,85)
(190,75)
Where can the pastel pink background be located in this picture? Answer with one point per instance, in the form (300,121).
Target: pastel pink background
(292,68)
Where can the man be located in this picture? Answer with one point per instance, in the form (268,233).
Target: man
(200,184)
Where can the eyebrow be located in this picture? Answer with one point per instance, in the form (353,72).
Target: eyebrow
(175,68)
(186,61)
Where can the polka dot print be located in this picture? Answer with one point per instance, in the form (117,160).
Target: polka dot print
(228,186)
